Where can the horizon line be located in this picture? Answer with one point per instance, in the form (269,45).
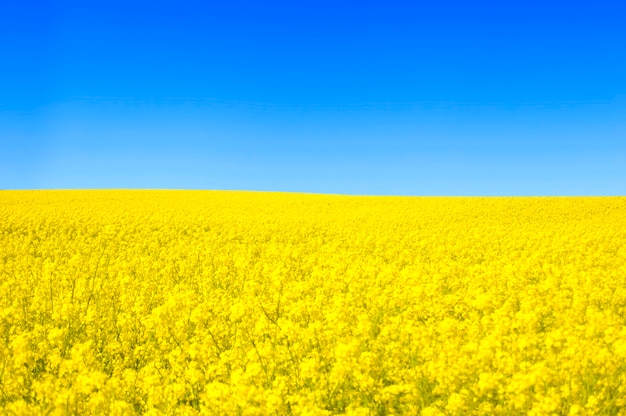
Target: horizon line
(315,193)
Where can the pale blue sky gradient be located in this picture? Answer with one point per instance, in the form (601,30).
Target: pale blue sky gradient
(381,98)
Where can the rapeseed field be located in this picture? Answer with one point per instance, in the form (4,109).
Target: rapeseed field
(239,303)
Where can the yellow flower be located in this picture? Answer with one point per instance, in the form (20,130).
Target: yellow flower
(227,303)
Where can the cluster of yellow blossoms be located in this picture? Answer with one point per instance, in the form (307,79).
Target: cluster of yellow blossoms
(235,303)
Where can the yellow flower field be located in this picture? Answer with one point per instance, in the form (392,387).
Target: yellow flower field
(241,303)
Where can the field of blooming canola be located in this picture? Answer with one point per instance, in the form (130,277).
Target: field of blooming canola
(235,303)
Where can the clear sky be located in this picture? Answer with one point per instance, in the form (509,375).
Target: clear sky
(367,97)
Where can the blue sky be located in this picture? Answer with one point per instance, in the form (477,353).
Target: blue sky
(383,98)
